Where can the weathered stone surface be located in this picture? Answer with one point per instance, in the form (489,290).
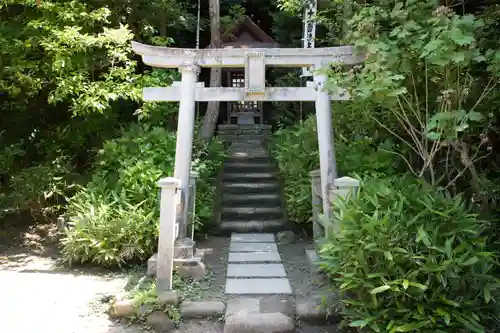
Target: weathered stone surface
(253,247)
(272,304)
(266,225)
(311,310)
(152,262)
(251,212)
(285,237)
(254,257)
(202,309)
(168,297)
(255,199)
(256,270)
(184,248)
(243,304)
(252,238)
(195,270)
(124,308)
(159,322)
(243,322)
(242,187)
(312,260)
(145,309)
(258,286)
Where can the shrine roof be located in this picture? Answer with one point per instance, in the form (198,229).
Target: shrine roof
(246,34)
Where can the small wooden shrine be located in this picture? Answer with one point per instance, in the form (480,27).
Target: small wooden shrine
(246,34)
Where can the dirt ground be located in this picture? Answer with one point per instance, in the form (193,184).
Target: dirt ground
(38,296)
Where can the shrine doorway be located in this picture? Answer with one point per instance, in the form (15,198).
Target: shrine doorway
(242,113)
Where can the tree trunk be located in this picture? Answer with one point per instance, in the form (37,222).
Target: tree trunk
(212,114)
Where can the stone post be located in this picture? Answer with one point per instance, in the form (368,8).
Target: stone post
(325,140)
(185,129)
(165,259)
(192,201)
(316,203)
(344,187)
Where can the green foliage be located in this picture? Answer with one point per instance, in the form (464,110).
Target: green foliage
(295,149)
(429,78)
(410,258)
(115,216)
(208,161)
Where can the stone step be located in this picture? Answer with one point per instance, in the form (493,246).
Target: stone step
(227,227)
(250,213)
(247,152)
(246,177)
(246,143)
(251,200)
(248,166)
(249,156)
(257,159)
(269,286)
(255,187)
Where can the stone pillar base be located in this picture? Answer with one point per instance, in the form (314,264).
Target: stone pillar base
(189,267)
(184,248)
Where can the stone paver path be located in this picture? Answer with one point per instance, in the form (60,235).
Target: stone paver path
(260,271)
(256,278)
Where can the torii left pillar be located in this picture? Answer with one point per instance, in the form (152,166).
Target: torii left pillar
(184,146)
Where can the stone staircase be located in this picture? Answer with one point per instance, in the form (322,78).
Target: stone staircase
(251,195)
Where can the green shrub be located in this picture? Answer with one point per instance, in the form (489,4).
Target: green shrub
(410,259)
(207,162)
(115,216)
(296,152)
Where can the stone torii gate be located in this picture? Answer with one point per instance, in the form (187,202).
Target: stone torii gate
(254,61)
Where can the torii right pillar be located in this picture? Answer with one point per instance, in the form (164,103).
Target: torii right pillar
(327,161)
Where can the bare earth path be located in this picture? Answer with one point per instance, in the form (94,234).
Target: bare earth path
(37,296)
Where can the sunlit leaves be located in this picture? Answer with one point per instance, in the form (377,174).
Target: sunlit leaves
(437,278)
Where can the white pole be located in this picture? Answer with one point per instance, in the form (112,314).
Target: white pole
(325,140)
(185,129)
(166,239)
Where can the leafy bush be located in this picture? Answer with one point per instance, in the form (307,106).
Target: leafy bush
(38,190)
(410,258)
(116,215)
(296,152)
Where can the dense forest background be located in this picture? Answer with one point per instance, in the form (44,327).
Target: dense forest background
(69,83)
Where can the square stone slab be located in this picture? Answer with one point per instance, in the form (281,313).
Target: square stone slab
(273,304)
(252,238)
(242,304)
(256,270)
(253,247)
(258,286)
(243,257)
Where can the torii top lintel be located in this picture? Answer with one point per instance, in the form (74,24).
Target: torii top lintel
(169,57)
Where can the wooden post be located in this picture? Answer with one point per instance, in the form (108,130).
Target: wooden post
(166,239)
